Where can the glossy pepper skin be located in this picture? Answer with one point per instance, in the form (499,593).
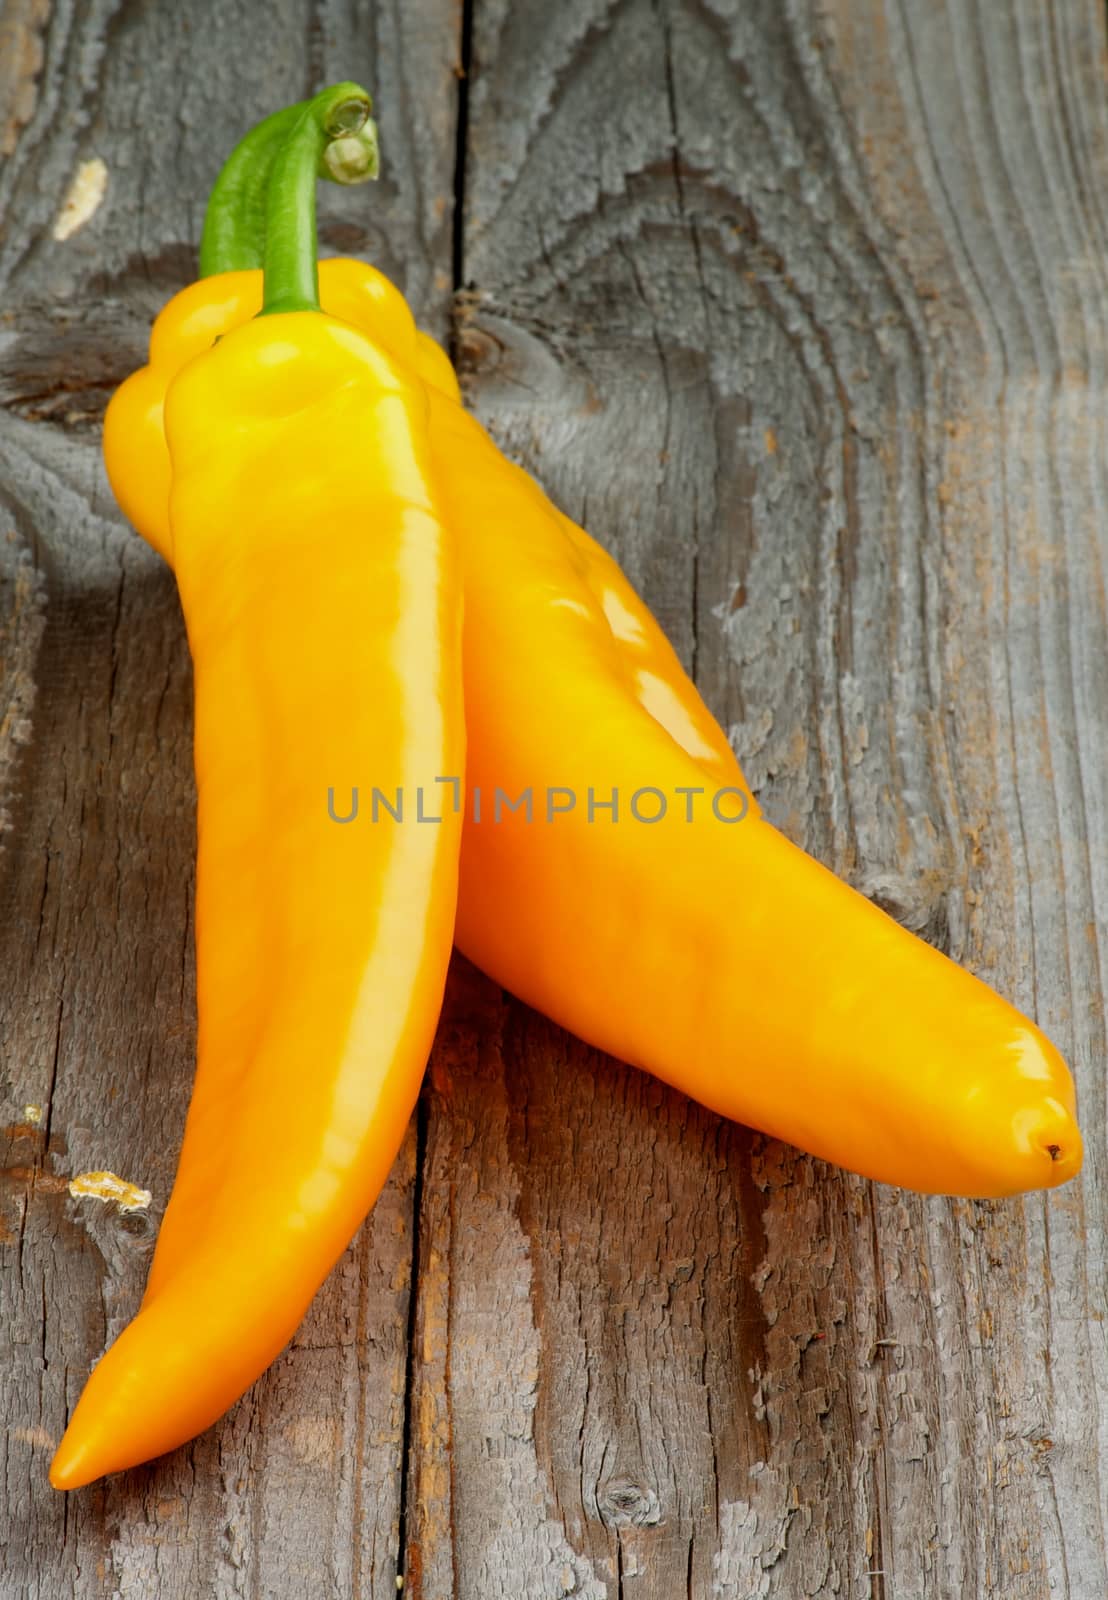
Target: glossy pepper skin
(322,596)
(716,955)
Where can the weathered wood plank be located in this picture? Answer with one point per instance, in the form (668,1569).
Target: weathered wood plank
(300,1489)
(801,308)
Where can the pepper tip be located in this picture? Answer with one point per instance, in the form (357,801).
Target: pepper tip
(76,1462)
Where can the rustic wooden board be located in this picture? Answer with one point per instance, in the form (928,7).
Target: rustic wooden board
(802,308)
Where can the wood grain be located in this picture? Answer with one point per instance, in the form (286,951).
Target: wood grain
(801,308)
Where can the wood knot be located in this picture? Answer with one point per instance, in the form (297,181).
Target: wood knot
(137,1225)
(477,352)
(623,1503)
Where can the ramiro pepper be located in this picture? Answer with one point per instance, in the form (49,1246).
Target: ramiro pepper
(322,598)
(713,953)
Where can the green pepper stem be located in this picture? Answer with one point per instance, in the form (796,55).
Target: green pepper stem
(234,223)
(338,120)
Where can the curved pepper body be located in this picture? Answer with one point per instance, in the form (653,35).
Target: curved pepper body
(322,598)
(712,953)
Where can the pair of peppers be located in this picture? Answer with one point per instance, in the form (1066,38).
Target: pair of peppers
(370,587)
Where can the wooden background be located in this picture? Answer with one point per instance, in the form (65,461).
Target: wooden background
(802,305)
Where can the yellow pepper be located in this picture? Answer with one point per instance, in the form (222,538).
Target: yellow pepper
(322,597)
(712,952)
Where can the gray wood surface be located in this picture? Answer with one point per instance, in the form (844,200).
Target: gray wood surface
(802,306)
